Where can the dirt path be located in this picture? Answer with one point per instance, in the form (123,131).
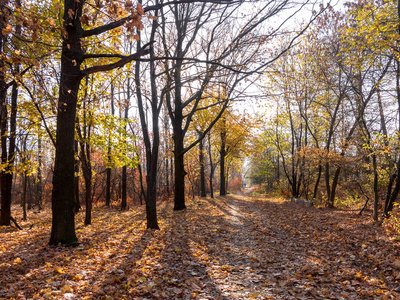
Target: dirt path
(232,247)
(274,250)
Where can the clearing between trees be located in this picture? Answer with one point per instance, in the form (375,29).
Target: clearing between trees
(232,247)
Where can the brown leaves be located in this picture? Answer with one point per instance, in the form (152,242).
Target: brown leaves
(227,248)
(139,9)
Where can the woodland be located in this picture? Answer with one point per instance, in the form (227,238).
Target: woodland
(150,149)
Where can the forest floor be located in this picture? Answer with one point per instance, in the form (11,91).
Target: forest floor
(232,247)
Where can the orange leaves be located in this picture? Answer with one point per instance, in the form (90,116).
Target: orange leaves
(7,29)
(227,248)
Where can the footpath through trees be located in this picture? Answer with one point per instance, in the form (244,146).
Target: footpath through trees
(232,247)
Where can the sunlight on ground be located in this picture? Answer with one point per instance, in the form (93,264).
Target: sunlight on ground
(232,247)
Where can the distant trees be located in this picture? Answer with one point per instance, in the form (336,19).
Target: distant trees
(335,94)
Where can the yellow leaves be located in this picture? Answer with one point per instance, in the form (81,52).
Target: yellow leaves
(17,260)
(58,270)
(78,277)
(66,289)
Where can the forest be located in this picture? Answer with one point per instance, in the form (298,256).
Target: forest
(198,149)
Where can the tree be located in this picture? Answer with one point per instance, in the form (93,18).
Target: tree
(74,34)
(231,54)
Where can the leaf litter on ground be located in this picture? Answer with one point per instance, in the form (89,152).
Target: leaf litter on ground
(232,247)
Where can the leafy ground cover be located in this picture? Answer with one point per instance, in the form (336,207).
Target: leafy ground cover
(232,247)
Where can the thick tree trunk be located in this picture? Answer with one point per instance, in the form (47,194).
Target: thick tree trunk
(7,174)
(88,198)
(63,200)
(5,204)
(180,174)
(76,180)
(151,203)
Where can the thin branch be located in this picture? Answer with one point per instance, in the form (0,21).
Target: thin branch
(41,114)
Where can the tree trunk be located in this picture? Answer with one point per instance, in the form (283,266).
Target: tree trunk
(202,172)
(108,170)
(335,182)
(88,197)
(123,189)
(152,150)
(4,179)
(5,204)
(39,175)
(124,192)
(63,200)
(76,180)
(23,200)
(180,173)
(212,168)
(222,188)
(151,203)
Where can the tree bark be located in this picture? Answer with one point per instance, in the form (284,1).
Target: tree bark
(202,171)
(212,167)
(222,187)
(152,149)
(63,200)
(108,169)
(39,175)
(180,173)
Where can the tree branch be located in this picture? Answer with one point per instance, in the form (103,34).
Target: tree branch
(127,59)
(91,55)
